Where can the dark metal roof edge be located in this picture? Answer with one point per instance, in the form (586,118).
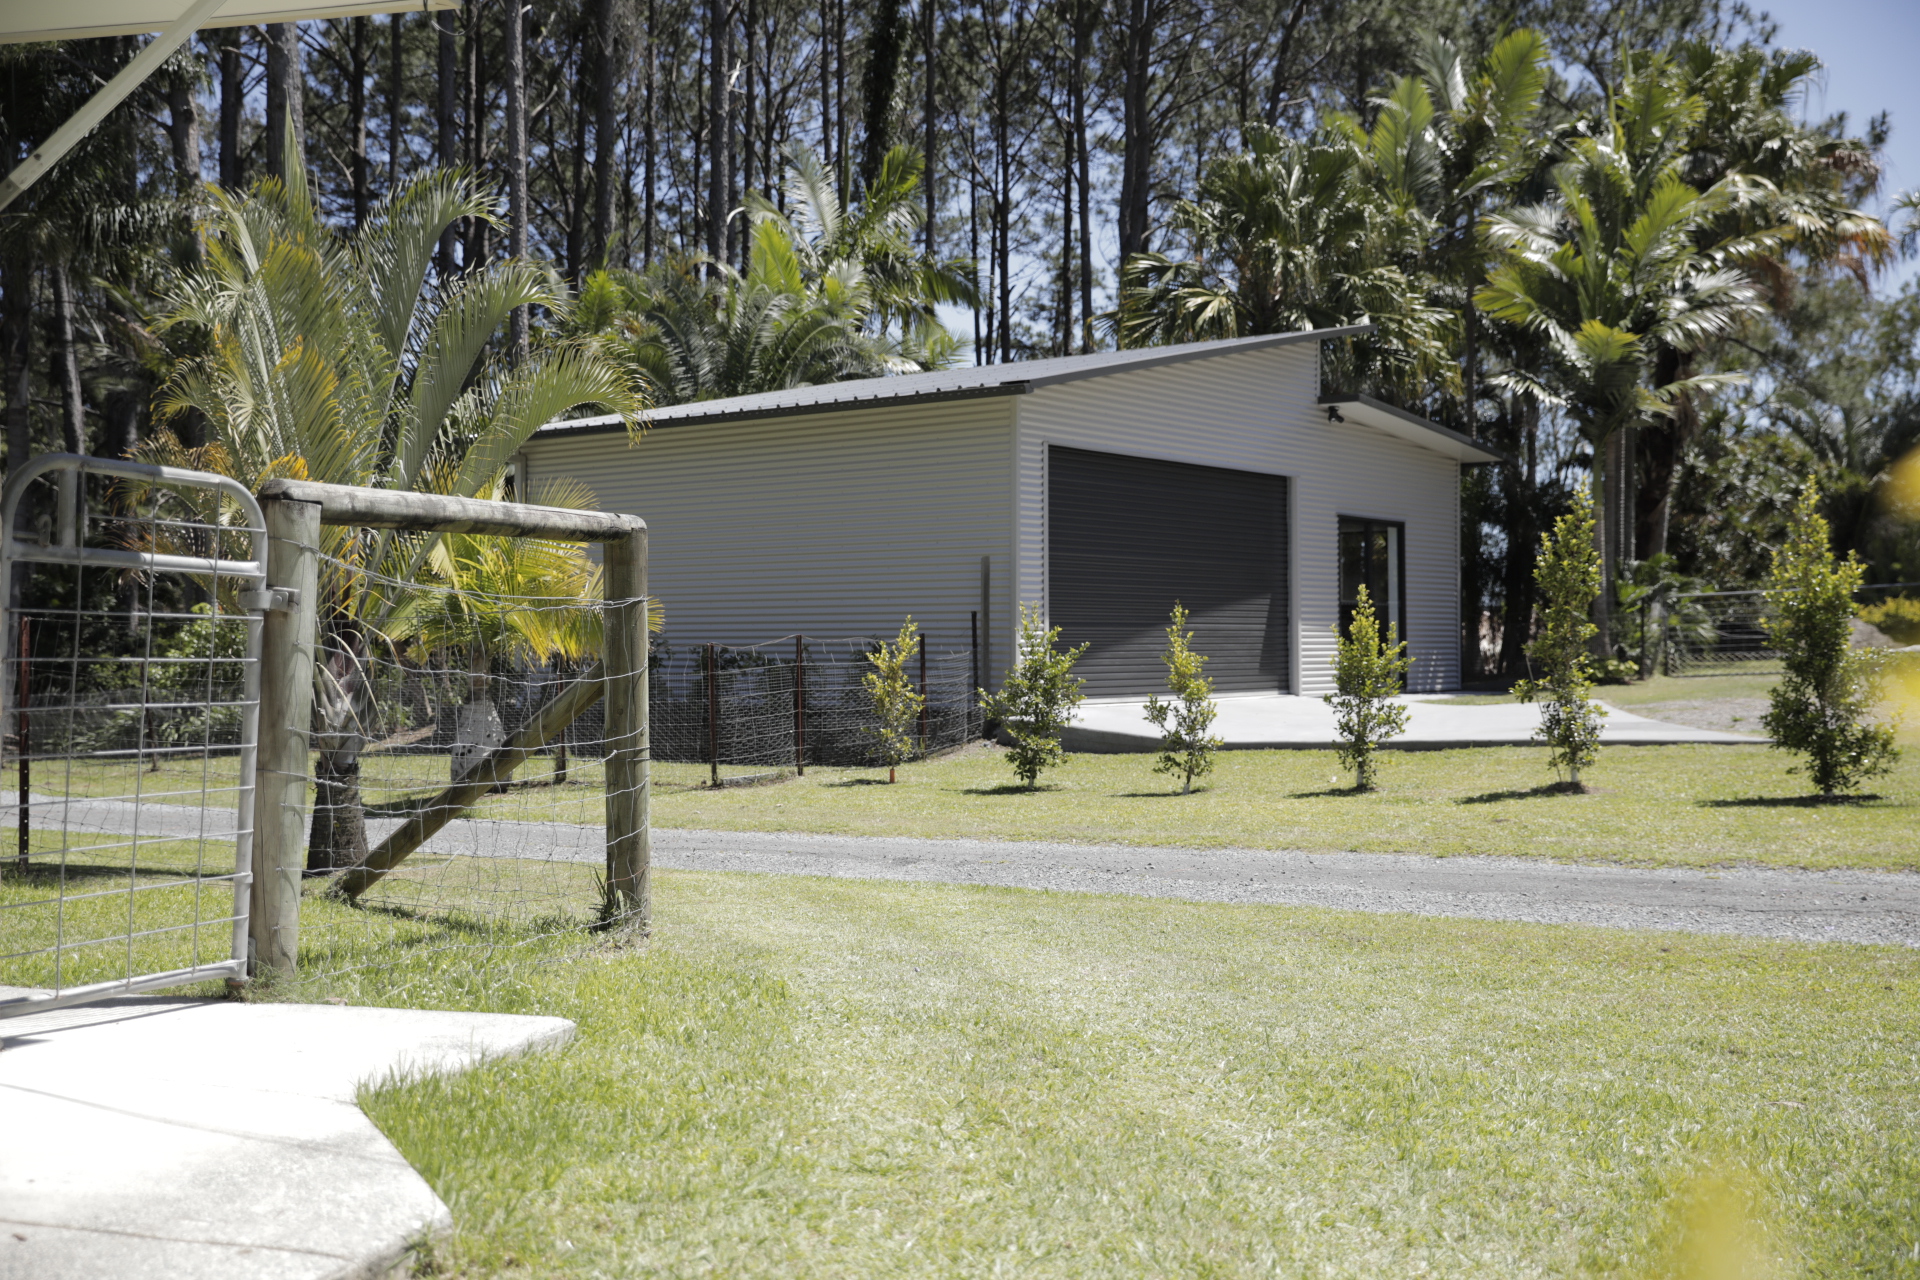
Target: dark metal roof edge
(602,425)
(1414,419)
(1204,351)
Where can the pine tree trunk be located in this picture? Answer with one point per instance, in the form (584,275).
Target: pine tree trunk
(607,49)
(357,119)
(183,131)
(1077,88)
(447,116)
(930,39)
(396,72)
(649,141)
(1136,156)
(286,98)
(233,162)
(883,74)
(719,128)
(516,51)
(66,363)
(16,348)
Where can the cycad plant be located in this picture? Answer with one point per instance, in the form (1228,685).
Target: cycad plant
(334,357)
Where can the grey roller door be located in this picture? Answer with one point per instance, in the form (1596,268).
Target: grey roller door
(1126,537)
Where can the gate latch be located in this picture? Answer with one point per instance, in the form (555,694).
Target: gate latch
(271,599)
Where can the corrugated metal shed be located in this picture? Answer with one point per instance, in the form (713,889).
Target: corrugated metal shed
(838,509)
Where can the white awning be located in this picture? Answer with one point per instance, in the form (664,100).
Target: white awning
(22,20)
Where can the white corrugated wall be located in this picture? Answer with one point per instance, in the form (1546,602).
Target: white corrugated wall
(1255,411)
(834,524)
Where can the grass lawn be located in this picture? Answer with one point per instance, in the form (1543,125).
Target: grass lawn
(1664,806)
(809,1077)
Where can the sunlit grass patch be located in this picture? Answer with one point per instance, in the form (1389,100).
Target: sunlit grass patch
(806,1077)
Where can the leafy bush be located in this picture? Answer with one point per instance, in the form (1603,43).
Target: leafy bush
(1186,749)
(896,703)
(1037,700)
(1821,706)
(1367,674)
(1568,574)
(1898,618)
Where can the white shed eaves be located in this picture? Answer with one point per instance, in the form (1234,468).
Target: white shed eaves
(947,384)
(87,19)
(1350,407)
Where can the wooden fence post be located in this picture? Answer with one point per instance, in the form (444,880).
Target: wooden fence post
(629,748)
(286,721)
(923,694)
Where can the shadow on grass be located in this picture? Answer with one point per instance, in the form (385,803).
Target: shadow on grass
(1161,795)
(1327,793)
(1008,789)
(1785,802)
(858,782)
(1530,793)
(46,872)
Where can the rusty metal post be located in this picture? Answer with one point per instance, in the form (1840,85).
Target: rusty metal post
(799,706)
(24,739)
(973,686)
(713,710)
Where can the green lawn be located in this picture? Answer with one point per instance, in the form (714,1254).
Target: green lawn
(1664,806)
(807,1077)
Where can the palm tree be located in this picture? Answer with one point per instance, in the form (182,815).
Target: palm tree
(329,357)
(1609,267)
(1291,235)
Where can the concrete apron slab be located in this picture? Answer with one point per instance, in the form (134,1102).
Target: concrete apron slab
(1256,721)
(156,1138)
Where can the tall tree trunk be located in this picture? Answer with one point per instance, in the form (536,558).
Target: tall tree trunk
(183,131)
(516,51)
(750,120)
(357,119)
(649,141)
(929,179)
(233,162)
(66,361)
(1603,543)
(396,73)
(447,114)
(826,85)
(719,128)
(16,346)
(474,250)
(842,167)
(1003,214)
(882,78)
(1662,452)
(1077,89)
(607,48)
(1523,541)
(580,183)
(1136,151)
(286,98)
(337,837)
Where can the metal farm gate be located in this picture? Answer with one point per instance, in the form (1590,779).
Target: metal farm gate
(130,708)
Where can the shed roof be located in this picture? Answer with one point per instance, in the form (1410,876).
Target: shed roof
(949,384)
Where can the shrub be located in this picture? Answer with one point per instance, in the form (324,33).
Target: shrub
(1037,700)
(1898,619)
(1568,574)
(1186,749)
(1821,705)
(1367,673)
(896,704)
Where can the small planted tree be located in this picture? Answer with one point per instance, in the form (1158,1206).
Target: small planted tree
(1037,700)
(896,703)
(1367,674)
(1186,748)
(1568,575)
(1822,705)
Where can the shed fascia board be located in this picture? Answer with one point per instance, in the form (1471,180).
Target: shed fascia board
(1411,427)
(986,380)
(86,19)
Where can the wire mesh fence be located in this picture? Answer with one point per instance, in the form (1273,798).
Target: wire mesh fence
(128,718)
(755,712)
(1725,632)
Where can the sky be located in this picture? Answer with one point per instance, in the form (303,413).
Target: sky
(1872,52)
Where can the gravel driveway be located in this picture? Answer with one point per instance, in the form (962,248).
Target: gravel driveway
(1810,906)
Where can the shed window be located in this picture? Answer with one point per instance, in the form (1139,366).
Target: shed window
(1372,555)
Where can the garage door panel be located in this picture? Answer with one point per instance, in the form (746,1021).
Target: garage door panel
(1127,537)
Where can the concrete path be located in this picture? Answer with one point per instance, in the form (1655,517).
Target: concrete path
(151,1139)
(1249,721)
(1808,906)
